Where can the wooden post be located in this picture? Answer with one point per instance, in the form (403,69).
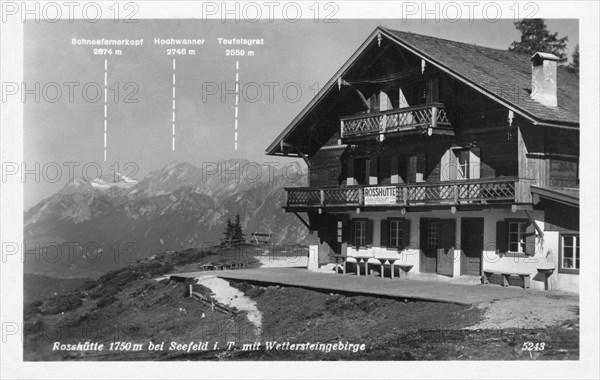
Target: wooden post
(322,197)
(455,190)
(191,291)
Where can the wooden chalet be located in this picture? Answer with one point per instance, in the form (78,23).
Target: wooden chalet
(456,160)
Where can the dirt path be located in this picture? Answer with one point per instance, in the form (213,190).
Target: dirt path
(228,295)
(537,310)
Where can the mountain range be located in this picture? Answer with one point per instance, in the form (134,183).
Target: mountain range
(92,226)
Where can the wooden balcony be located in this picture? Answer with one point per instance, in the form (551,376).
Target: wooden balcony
(427,119)
(482,191)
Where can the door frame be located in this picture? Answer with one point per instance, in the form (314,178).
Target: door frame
(463,256)
(422,244)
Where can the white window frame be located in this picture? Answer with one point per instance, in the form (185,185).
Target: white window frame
(360,233)
(575,249)
(520,234)
(396,233)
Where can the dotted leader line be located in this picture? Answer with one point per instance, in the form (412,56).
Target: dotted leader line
(237,101)
(173,118)
(105,106)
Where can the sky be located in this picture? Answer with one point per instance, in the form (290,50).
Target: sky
(295,60)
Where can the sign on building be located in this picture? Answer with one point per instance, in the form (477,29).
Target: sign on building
(380,195)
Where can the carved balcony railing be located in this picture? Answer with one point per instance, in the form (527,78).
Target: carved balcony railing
(481,191)
(427,119)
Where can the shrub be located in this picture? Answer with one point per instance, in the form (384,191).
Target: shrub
(105,301)
(60,304)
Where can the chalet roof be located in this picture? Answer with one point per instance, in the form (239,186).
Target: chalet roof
(501,75)
(504,73)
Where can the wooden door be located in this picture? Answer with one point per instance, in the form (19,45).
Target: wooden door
(445,252)
(471,237)
(429,243)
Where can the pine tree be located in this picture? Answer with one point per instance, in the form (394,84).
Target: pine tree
(574,65)
(228,233)
(237,235)
(536,37)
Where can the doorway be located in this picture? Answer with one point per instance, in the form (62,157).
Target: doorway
(471,238)
(437,246)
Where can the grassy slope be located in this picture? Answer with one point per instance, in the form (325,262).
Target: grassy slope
(129,305)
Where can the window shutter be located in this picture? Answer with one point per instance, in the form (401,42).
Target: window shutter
(345,223)
(435,91)
(369,240)
(530,240)
(452,165)
(384,101)
(432,91)
(395,174)
(421,167)
(406,234)
(384,233)
(402,102)
(349,172)
(372,177)
(501,237)
(475,163)
(351,240)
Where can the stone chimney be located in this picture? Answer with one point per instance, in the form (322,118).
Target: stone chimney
(543,78)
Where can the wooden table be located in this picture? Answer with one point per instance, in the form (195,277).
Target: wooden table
(404,268)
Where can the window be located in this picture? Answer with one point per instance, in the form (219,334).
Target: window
(461,164)
(360,171)
(379,101)
(426,92)
(384,170)
(569,253)
(516,236)
(432,234)
(396,233)
(360,233)
(412,168)
(463,168)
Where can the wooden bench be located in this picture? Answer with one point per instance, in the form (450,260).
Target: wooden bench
(505,275)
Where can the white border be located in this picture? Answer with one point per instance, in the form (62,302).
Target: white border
(11,69)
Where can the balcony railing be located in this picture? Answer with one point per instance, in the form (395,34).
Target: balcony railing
(425,118)
(445,193)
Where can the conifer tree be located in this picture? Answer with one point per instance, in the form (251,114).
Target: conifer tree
(535,37)
(574,65)
(237,234)
(228,233)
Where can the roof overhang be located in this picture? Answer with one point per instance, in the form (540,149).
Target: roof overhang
(566,197)
(275,147)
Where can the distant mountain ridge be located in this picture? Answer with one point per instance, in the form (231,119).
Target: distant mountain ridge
(101,224)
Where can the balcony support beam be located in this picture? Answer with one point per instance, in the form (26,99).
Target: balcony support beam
(302,220)
(304,157)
